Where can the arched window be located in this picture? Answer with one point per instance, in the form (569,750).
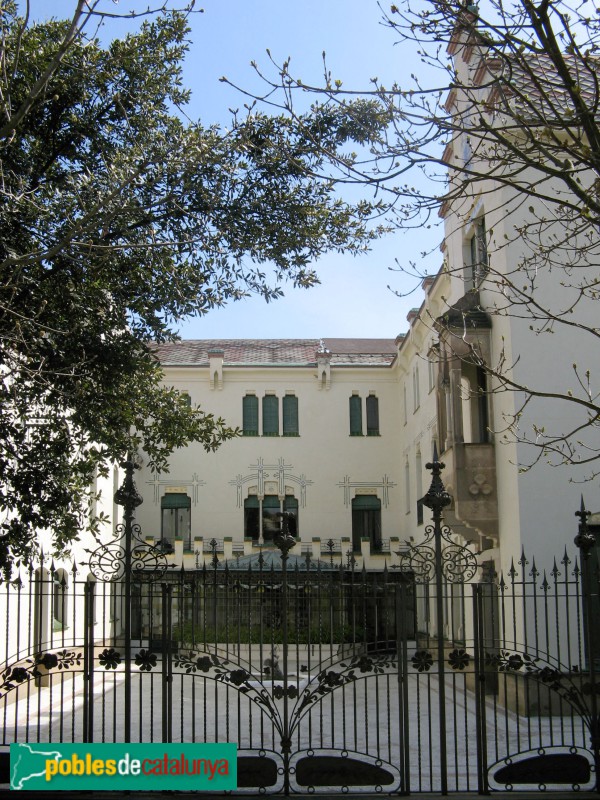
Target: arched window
(41,588)
(60,585)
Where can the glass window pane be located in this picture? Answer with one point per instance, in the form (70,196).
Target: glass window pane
(250,415)
(270,517)
(270,415)
(372,416)
(290,415)
(355,416)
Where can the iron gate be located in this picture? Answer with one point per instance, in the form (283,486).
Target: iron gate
(328,677)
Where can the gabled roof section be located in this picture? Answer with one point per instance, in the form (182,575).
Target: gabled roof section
(277,352)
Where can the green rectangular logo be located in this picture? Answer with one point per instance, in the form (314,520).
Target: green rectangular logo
(123,767)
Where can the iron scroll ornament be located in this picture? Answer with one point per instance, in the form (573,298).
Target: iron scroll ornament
(128,552)
(455,562)
(148,562)
(459,564)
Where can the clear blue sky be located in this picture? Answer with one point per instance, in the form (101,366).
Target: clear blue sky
(353,298)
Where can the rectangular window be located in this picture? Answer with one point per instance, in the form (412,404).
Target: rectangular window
(176,520)
(271,521)
(419,483)
(252,517)
(372,415)
(416,388)
(290,415)
(478,253)
(431,365)
(270,415)
(250,415)
(355,415)
(290,504)
(366,521)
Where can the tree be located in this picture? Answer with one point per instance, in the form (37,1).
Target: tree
(118,217)
(503,109)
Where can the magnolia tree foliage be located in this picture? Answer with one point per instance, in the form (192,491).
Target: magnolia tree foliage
(502,107)
(118,217)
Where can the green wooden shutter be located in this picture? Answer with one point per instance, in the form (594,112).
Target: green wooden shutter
(270,415)
(250,415)
(372,416)
(290,415)
(355,415)
(175,500)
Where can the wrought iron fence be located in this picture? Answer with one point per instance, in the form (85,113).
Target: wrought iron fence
(438,677)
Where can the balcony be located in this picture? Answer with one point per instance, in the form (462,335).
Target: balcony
(470,477)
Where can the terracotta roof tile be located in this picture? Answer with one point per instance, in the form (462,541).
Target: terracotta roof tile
(273,352)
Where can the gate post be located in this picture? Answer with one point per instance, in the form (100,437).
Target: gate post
(285,541)
(437,498)
(403,714)
(88,662)
(167,664)
(586,541)
(128,497)
(479,669)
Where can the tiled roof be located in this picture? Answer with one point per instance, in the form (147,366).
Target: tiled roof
(536,77)
(272,352)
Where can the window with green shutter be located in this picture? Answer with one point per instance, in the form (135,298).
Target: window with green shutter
(355,415)
(366,521)
(372,415)
(290,415)
(176,518)
(250,415)
(270,418)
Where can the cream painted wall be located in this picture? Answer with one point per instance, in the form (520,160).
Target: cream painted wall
(324,454)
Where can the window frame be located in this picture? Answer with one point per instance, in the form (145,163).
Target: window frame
(270,415)
(167,503)
(289,415)
(250,415)
(372,407)
(355,409)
